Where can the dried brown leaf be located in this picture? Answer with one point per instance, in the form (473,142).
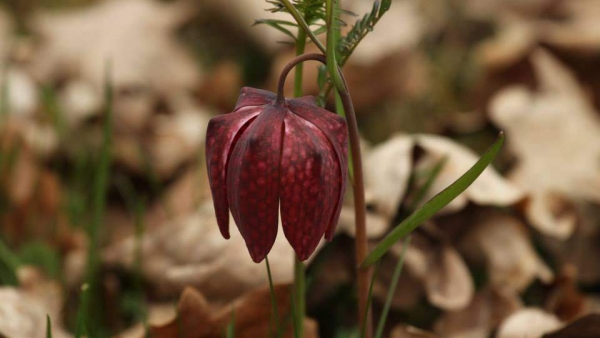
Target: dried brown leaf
(528,323)
(23,310)
(432,267)
(550,130)
(387,171)
(252,314)
(403,331)
(135,35)
(585,327)
(190,251)
(502,241)
(486,311)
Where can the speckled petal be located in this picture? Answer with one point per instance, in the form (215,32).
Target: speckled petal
(254,97)
(253,181)
(310,176)
(335,129)
(222,134)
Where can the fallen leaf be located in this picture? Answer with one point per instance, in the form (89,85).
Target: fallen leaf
(177,139)
(387,170)
(487,310)
(502,242)
(528,323)
(251,313)
(22,93)
(434,267)
(403,331)
(585,327)
(565,300)
(190,251)
(400,29)
(23,310)
(578,28)
(136,36)
(548,130)
(244,13)
(516,38)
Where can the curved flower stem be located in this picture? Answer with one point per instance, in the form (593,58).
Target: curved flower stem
(364,273)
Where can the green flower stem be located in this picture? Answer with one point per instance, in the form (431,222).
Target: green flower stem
(303,24)
(300,46)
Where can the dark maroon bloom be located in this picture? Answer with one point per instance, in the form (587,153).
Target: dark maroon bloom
(268,156)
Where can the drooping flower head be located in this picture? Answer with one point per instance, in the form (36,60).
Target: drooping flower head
(273,156)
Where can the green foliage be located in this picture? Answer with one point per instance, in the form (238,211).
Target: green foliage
(435,204)
(9,263)
(48,327)
(41,255)
(311,11)
(360,29)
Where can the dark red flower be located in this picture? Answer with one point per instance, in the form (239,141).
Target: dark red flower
(268,157)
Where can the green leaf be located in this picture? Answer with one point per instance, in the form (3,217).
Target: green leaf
(276,25)
(435,204)
(230,333)
(392,290)
(81,325)
(9,264)
(384,7)
(48,327)
(363,331)
(42,255)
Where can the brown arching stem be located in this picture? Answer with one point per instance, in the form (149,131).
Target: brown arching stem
(290,65)
(364,274)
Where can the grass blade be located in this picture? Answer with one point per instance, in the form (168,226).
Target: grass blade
(369,299)
(48,327)
(435,204)
(11,263)
(230,333)
(392,290)
(273,301)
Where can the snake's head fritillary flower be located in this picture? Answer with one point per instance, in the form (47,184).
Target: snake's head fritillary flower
(271,157)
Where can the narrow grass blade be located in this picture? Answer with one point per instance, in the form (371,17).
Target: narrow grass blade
(9,264)
(435,204)
(230,332)
(81,328)
(91,310)
(273,302)
(48,327)
(391,290)
(363,329)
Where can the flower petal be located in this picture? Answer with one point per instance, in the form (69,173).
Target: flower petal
(310,184)
(254,97)
(334,128)
(222,134)
(253,181)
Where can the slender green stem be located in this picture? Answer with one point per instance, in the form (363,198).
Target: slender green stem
(273,301)
(300,46)
(303,24)
(391,290)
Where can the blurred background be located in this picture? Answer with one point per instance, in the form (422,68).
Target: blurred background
(120,202)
